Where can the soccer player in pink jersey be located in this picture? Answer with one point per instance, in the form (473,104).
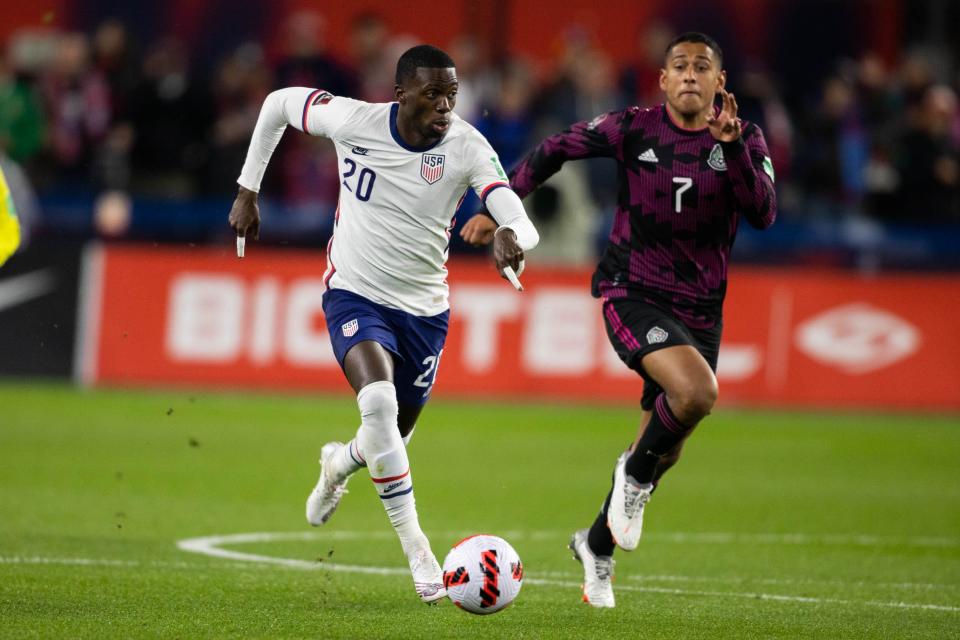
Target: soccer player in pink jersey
(688,171)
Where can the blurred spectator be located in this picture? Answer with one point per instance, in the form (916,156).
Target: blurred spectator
(929,161)
(916,76)
(371,58)
(308,176)
(116,63)
(171,115)
(21,115)
(112,215)
(508,119)
(479,82)
(639,81)
(880,108)
(833,157)
(584,89)
(77,98)
(306,62)
(241,84)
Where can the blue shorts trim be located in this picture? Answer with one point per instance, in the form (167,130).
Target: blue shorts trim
(416,342)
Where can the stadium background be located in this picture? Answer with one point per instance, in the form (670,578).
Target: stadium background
(123,128)
(158,395)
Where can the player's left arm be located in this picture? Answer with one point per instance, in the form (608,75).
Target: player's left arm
(748,164)
(488,179)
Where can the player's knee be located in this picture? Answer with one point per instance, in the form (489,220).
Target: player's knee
(694,402)
(378,411)
(378,401)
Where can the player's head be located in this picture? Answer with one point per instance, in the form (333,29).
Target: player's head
(692,73)
(426,90)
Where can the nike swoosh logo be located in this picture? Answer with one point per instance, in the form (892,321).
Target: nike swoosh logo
(19,289)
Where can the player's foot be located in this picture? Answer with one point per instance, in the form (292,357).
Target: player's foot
(323,500)
(427,575)
(597,572)
(625,514)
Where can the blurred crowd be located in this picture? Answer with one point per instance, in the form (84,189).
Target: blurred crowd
(100,114)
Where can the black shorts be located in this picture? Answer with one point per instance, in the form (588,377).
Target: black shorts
(636,328)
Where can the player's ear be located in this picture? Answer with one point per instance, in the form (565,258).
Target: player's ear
(721,79)
(663,79)
(399,93)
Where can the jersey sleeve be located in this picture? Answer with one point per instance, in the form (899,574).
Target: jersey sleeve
(310,110)
(324,113)
(484,171)
(751,172)
(598,138)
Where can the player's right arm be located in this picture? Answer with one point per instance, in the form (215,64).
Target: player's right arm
(312,111)
(597,138)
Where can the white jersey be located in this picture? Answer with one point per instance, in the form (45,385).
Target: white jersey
(397,203)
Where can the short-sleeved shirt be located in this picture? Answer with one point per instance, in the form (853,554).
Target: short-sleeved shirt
(397,203)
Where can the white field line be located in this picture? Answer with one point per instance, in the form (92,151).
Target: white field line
(571,584)
(800,539)
(210,545)
(558,575)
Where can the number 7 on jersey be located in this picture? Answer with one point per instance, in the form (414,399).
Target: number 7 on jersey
(685,183)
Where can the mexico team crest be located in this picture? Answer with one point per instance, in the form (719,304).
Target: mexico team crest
(716,160)
(431,167)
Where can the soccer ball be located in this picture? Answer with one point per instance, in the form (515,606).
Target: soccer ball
(482,574)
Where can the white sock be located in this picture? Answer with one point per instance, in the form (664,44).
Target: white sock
(346,461)
(379,440)
(407,438)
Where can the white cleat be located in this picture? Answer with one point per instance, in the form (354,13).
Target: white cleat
(427,576)
(625,514)
(325,497)
(597,572)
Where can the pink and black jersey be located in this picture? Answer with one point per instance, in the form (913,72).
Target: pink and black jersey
(680,199)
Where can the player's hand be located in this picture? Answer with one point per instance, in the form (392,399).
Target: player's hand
(725,126)
(245,214)
(507,253)
(479,230)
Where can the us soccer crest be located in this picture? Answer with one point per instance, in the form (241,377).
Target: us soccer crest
(716,159)
(349,329)
(431,167)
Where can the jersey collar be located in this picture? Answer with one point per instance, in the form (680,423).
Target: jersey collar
(396,134)
(676,125)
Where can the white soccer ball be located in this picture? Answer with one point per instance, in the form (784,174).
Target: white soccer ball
(482,574)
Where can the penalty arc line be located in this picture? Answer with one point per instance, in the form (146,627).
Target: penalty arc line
(210,545)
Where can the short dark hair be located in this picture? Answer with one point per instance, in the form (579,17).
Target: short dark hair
(423,55)
(696,36)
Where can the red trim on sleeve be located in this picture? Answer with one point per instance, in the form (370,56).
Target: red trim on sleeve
(306,108)
(490,187)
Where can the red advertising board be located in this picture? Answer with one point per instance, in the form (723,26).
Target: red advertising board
(791,337)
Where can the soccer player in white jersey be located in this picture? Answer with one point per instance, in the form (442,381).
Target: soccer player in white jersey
(405,165)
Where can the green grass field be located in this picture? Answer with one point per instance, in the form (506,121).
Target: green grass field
(774,525)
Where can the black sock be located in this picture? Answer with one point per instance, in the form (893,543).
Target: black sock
(599,538)
(663,433)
